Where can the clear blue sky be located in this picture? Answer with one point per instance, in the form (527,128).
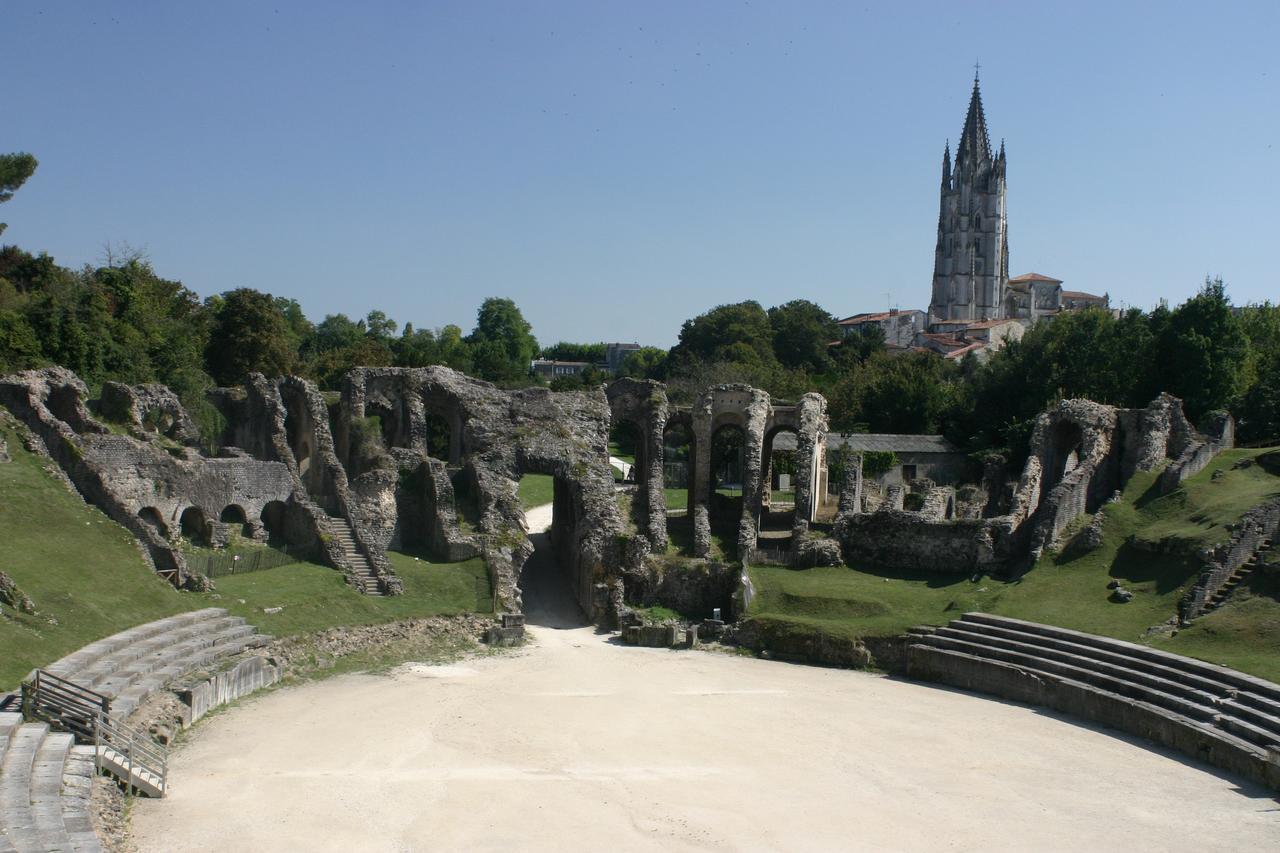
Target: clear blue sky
(618,167)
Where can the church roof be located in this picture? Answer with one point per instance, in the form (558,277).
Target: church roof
(1080,294)
(1035,276)
(975,143)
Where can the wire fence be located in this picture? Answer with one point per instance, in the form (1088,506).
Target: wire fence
(221,565)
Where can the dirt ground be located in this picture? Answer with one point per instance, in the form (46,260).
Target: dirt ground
(577,743)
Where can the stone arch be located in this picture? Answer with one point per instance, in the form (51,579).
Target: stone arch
(273,517)
(234,514)
(152,517)
(728,456)
(679,451)
(195,525)
(1066,442)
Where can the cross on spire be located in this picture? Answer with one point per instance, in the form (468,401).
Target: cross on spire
(977,66)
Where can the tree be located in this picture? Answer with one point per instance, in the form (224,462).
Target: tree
(14,171)
(739,334)
(1201,355)
(502,343)
(645,363)
(802,334)
(250,334)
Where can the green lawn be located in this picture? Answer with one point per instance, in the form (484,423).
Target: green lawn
(83,570)
(536,490)
(677,498)
(314,597)
(88,580)
(629,458)
(1070,589)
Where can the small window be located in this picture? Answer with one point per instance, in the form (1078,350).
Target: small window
(908,473)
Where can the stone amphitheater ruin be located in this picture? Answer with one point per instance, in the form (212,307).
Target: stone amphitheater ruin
(430,459)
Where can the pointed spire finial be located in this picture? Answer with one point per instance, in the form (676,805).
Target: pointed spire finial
(977,66)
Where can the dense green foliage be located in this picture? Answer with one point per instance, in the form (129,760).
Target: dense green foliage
(14,171)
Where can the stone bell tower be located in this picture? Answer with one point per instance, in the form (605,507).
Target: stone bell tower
(971,261)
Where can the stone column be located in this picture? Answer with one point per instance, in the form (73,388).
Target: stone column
(654,479)
(757,416)
(811,442)
(699,507)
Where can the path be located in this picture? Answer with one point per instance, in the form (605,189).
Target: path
(622,465)
(577,743)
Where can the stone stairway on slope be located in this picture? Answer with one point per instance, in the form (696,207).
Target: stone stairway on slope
(362,570)
(1213,713)
(1238,576)
(46,781)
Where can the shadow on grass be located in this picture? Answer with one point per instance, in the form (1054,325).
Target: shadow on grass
(1167,571)
(933,580)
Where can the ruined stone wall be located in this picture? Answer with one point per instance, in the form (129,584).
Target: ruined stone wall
(500,436)
(643,403)
(139,483)
(1258,525)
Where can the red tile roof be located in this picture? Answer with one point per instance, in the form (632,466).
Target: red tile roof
(963,351)
(1080,294)
(1035,276)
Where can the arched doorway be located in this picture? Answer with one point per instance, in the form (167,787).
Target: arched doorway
(151,517)
(273,520)
(194,526)
(234,515)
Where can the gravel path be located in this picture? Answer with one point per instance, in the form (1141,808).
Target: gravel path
(576,743)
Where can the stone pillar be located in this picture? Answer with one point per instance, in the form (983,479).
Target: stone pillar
(654,479)
(811,440)
(699,507)
(757,416)
(851,488)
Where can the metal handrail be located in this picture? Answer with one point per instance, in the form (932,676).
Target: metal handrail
(70,705)
(139,752)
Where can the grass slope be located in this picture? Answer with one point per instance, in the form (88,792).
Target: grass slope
(89,581)
(1070,589)
(315,597)
(82,570)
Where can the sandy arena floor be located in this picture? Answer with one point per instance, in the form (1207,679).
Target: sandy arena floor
(575,743)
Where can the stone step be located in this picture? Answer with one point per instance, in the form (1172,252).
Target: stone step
(123,658)
(159,670)
(16,817)
(1083,675)
(9,722)
(1198,739)
(1114,670)
(87,655)
(161,654)
(77,800)
(1247,685)
(1201,676)
(46,790)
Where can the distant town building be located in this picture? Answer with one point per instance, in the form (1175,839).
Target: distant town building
(549,369)
(616,354)
(899,327)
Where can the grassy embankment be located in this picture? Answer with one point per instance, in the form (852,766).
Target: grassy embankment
(1068,588)
(88,580)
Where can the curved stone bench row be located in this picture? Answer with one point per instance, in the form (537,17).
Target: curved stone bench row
(1215,714)
(129,666)
(45,786)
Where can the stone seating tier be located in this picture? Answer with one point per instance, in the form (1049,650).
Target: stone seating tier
(45,787)
(1213,713)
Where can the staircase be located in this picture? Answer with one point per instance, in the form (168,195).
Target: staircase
(366,579)
(1229,585)
(1212,713)
(45,786)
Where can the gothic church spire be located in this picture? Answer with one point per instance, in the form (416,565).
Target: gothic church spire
(975,143)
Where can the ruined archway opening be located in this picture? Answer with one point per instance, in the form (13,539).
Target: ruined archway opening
(273,519)
(728,469)
(678,460)
(439,438)
(778,471)
(1065,444)
(234,517)
(151,517)
(194,526)
(550,581)
(627,452)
